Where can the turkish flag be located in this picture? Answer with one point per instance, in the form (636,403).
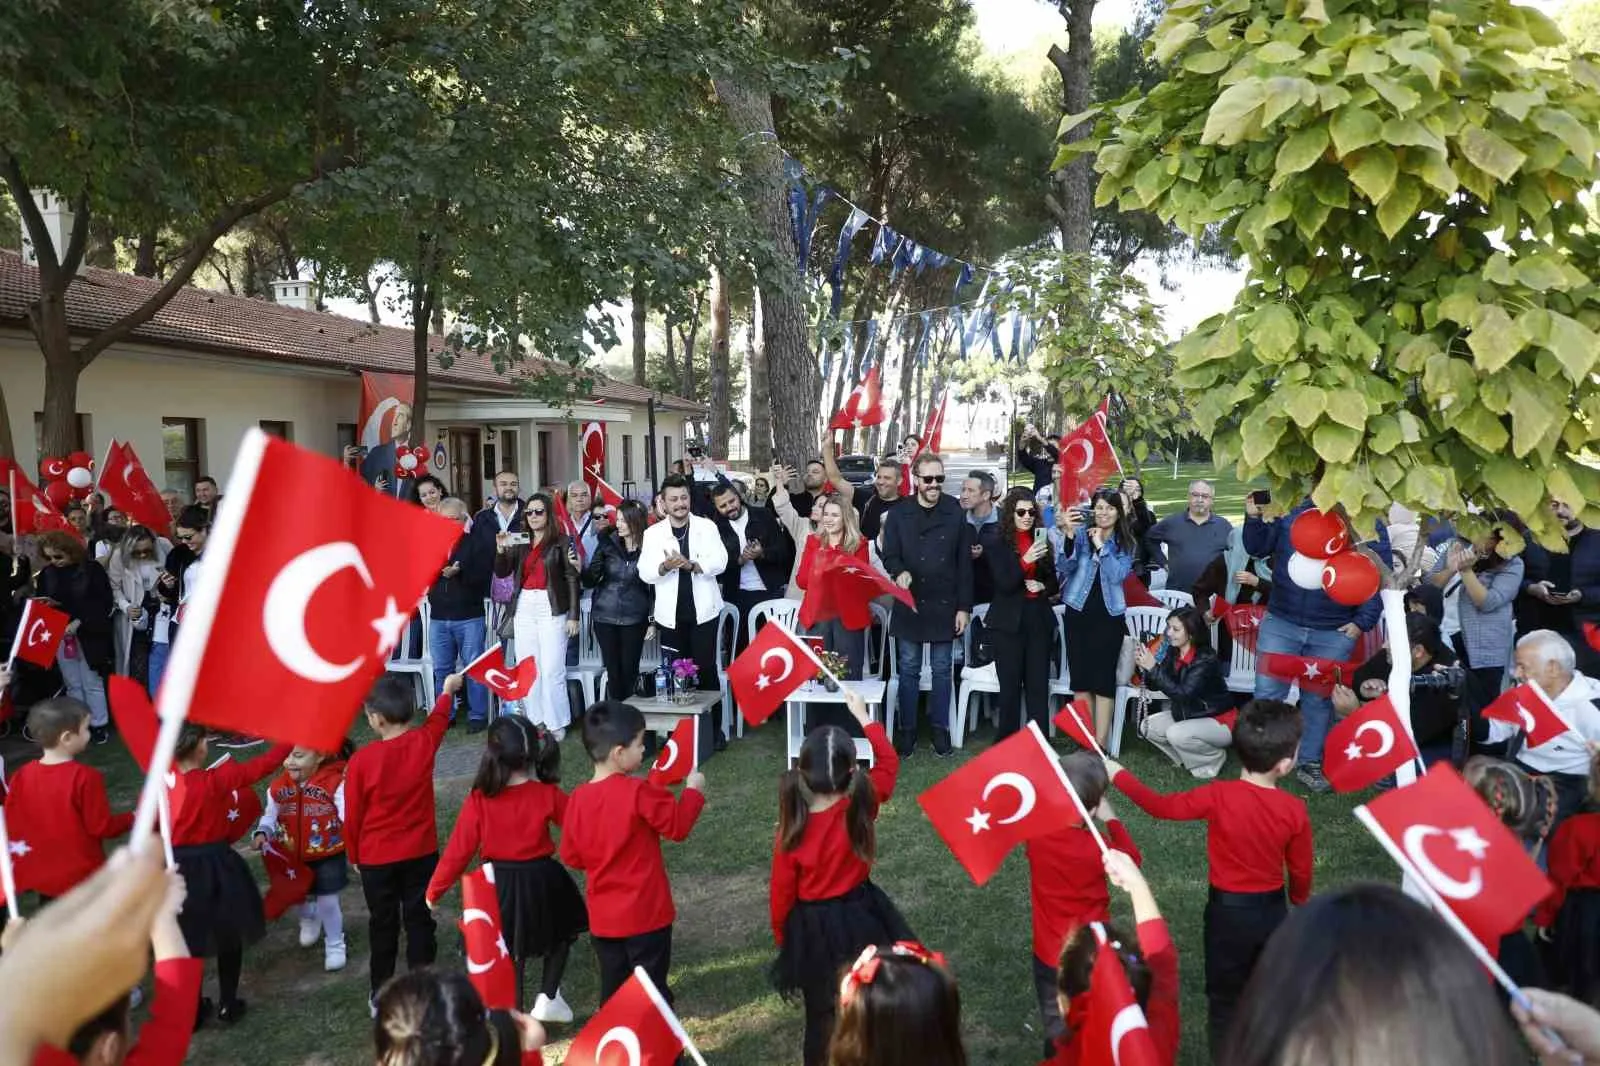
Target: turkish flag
(635,1027)
(1087,459)
(592,441)
(842,586)
(1136,593)
(1530,710)
(933,428)
(1114,1031)
(1076,720)
(1242,619)
(1316,676)
(288,881)
(308,585)
(774,665)
(864,405)
(679,756)
(608,495)
(1442,832)
(567,525)
(244,811)
(507,682)
(1011,793)
(31,510)
(489,963)
(129,489)
(1366,746)
(135,717)
(38,634)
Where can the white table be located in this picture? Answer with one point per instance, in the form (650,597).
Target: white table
(663,716)
(870,691)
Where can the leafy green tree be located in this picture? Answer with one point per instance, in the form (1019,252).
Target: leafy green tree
(1411,192)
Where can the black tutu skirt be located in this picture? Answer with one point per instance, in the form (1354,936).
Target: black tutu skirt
(822,937)
(540,906)
(1574,953)
(223,905)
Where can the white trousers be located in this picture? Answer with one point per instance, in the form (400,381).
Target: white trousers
(86,686)
(537,632)
(1199,745)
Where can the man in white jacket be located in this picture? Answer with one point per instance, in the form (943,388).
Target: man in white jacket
(682,557)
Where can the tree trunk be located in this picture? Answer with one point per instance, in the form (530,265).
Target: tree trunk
(760,388)
(689,338)
(721,412)
(640,309)
(1072,203)
(371,292)
(61,373)
(672,350)
(793,381)
(422,309)
(144,257)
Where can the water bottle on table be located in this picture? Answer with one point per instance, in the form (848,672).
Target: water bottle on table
(663,682)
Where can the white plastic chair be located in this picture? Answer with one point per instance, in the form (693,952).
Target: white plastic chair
(1173,598)
(415,657)
(590,665)
(1061,684)
(787,612)
(1144,624)
(891,692)
(1241,669)
(877,657)
(727,647)
(974,680)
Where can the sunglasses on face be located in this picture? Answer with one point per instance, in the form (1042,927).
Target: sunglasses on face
(1025,512)
(536,513)
(185,538)
(931,479)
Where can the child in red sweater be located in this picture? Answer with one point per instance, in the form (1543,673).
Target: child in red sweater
(1151,963)
(825,908)
(304,818)
(222,912)
(1067,885)
(506,819)
(389,827)
(57,813)
(1253,831)
(613,831)
(1570,917)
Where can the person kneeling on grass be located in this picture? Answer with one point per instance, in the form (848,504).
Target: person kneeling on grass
(1196,729)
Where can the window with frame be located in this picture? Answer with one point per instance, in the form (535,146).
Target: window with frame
(627,457)
(281,430)
(180,453)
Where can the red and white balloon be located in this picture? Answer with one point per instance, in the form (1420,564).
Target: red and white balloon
(1319,534)
(411,462)
(1306,571)
(1350,578)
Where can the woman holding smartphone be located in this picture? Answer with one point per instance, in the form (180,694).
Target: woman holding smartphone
(1025,585)
(1098,559)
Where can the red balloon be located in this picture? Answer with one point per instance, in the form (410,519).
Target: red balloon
(53,467)
(1350,578)
(1319,534)
(58,493)
(83,459)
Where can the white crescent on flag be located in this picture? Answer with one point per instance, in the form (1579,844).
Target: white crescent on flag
(1128,1019)
(1414,842)
(499,679)
(1026,796)
(1088,452)
(1385,738)
(468,916)
(38,633)
(668,756)
(1529,723)
(624,1038)
(783,654)
(283,613)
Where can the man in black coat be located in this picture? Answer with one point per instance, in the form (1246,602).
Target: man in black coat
(927,548)
(759,554)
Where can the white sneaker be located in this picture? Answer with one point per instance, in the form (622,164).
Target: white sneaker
(555,1010)
(310,930)
(333,955)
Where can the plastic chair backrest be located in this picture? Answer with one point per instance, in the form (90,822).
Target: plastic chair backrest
(1173,598)
(1145,623)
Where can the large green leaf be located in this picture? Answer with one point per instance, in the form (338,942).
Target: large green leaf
(1512,482)
(1373,171)
(1171,38)
(1574,134)
(1399,207)
(1235,113)
(1401,97)
(1335,443)
(1348,408)
(1259,437)
(1300,151)
(1533,415)
(1491,153)
(1354,127)
(1274,330)
(1576,345)
(1481,426)
(1207,62)
(1495,338)
(1305,404)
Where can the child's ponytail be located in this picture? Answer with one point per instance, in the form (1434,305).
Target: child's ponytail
(794,807)
(512,747)
(861,818)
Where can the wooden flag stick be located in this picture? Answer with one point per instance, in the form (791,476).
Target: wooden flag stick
(8,877)
(1077,800)
(1072,709)
(806,647)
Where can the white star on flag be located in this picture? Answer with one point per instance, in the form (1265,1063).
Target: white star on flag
(979,821)
(233,815)
(1354,752)
(389,626)
(291,873)
(1469,841)
(852,570)
(1313,670)
(19,848)
(763,682)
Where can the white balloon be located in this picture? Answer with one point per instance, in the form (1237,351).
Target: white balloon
(408,461)
(1306,571)
(79,477)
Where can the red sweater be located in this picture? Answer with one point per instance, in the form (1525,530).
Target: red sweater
(1574,863)
(513,826)
(201,799)
(1067,884)
(1160,1008)
(822,865)
(164,1039)
(58,817)
(1252,833)
(388,794)
(613,830)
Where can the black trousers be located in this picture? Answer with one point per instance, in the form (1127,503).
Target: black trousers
(396,896)
(618,956)
(620,648)
(697,642)
(1022,664)
(1044,988)
(1237,928)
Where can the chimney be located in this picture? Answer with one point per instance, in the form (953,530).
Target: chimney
(292,292)
(58,219)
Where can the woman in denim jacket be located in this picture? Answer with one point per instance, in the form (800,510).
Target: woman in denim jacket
(1091,573)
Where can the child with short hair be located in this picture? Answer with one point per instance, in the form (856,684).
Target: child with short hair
(304,818)
(898,1006)
(57,812)
(1570,917)
(222,912)
(506,820)
(389,828)
(1066,884)
(429,1017)
(613,831)
(1253,831)
(825,907)
(1149,959)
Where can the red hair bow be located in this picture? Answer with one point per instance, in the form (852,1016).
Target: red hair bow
(865,969)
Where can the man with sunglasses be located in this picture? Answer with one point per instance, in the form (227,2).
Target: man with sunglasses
(927,547)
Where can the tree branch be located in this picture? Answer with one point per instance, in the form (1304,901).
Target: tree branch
(43,248)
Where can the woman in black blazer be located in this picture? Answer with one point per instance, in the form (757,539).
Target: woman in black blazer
(1025,586)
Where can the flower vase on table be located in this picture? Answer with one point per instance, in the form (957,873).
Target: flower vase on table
(685,680)
(835,663)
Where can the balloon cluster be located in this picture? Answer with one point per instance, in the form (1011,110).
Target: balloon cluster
(1324,559)
(412,462)
(67,478)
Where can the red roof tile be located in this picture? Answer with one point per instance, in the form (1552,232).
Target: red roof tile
(207,321)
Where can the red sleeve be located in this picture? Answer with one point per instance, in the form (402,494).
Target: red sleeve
(571,849)
(164,1039)
(354,808)
(96,809)
(465,840)
(1565,864)
(1117,837)
(235,774)
(885,762)
(1300,852)
(438,723)
(1161,1008)
(558,806)
(784,891)
(669,816)
(1178,807)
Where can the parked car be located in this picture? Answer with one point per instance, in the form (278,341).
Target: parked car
(858,469)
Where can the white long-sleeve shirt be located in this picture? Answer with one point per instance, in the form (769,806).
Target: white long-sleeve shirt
(1569,752)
